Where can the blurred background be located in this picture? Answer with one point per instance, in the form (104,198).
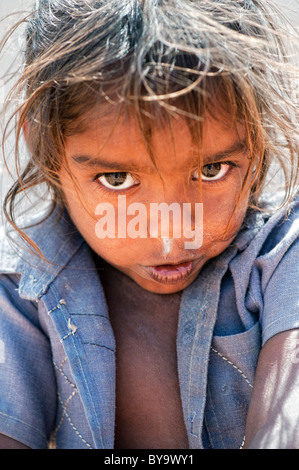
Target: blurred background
(11,11)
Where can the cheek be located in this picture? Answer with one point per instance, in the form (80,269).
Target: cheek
(223,213)
(118,251)
(218,206)
(82,210)
(80,202)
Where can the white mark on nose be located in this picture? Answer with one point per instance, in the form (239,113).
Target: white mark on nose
(167,245)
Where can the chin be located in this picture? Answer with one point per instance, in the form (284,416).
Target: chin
(158,288)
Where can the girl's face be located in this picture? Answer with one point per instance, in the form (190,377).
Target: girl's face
(112,171)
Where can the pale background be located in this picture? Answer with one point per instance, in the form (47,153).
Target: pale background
(7,7)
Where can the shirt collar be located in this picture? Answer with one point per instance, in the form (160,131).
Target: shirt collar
(58,240)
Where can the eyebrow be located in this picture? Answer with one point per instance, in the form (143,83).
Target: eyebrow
(96,162)
(235,149)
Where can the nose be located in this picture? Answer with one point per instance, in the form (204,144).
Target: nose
(182,220)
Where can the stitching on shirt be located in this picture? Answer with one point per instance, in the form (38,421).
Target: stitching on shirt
(61,302)
(72,328)
(233,365)
(88,315)
(240,372)
(70,421)
(64,405)
(243,443)
(59,369)
(212,409)
(99,345)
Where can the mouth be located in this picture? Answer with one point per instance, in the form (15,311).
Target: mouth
(171,273)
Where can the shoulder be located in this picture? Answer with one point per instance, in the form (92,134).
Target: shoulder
(278,242)
(58,241)
(267,272)
(284,230)
(267,236)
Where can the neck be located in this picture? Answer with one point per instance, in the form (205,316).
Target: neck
(124,294)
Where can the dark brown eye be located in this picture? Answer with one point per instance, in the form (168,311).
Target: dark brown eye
(214,171)
(117,180)
(211,170)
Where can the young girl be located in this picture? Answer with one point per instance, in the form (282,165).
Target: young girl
(154,304)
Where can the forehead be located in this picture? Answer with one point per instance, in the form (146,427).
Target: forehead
(121,138)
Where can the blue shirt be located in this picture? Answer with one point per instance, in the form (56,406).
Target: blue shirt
(57,348)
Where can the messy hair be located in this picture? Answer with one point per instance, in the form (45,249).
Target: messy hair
(161,59)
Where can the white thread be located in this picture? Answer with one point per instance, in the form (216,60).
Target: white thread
(59,369)
(61,302)
(72,424)
(71,326)
(233,365)
(64,407)
(240,372)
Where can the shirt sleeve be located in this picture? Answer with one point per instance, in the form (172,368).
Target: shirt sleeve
(27,378)
(281,294)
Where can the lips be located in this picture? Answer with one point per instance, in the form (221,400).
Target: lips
(171,273)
